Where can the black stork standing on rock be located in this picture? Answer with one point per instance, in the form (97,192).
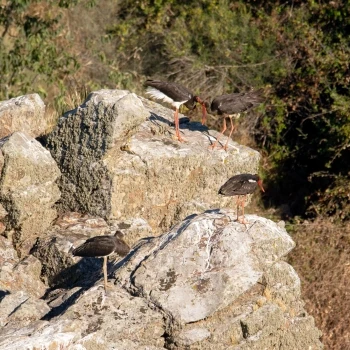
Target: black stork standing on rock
(231,106)
(176,95)
(103,246)
(241,185)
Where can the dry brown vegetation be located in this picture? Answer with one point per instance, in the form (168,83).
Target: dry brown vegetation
(322,260)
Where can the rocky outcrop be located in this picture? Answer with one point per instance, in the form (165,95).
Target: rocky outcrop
(119,161)
(24,113)
(214,260)
(209,283)
(19,275)
(27,189)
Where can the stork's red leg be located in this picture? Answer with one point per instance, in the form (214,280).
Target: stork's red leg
(105,272)
(222,132)
(177,126)
(231,131)
(204,110)
(243,220)
(238,203)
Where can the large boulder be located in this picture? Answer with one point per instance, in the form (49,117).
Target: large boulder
(119,321)
(119,161)
(208,283)
(223,285)
(205,263)
(24,113)
(28,189)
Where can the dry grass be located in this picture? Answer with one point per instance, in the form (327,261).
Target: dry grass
(322,260)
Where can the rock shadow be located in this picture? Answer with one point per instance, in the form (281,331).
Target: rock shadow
(3,293)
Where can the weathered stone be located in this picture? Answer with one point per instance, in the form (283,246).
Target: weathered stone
(140,172)
(206,262)
(267,318)
(24,113)
(3,213)
(15,275)
(9,303)
(284,287)
(37,335)
(7,253)
(118,321)
(209,283)
(28,190)
(133,229)
(29,311)
(194,335)
(54,249)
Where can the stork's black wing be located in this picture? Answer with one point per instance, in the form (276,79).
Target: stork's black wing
(96,246)
(239,185)
(175,91)
(237,103)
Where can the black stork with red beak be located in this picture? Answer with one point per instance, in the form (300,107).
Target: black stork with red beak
(176,95)
(103,246)
(231,106)
(241,185)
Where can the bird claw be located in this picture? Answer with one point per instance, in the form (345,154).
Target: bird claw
(242,220)
(178,138)
(225,148)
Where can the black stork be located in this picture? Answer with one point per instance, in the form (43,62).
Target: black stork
(241,185)
(231,106)
(176,95)
(103,246)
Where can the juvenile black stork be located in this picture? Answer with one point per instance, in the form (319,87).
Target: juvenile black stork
(241,185)
(231,106)
(103,246)
(176,95)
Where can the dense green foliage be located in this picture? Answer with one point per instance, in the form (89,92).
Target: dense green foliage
(298,51)
(31,46)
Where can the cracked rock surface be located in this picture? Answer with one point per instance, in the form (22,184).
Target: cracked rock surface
(196,279)
(28,189)
(119,161)
(208,283)
(24,113)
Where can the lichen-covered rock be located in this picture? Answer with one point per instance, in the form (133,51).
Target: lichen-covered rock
(125,171)
(206,262)
(7,253)
(118,321)
(30,310)
(223,285)
(209,283)
(25,114)
(23,275)
(27,188)
(8,303)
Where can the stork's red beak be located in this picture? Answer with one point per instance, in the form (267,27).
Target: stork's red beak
(260,185)
(204,114)
(204,111)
